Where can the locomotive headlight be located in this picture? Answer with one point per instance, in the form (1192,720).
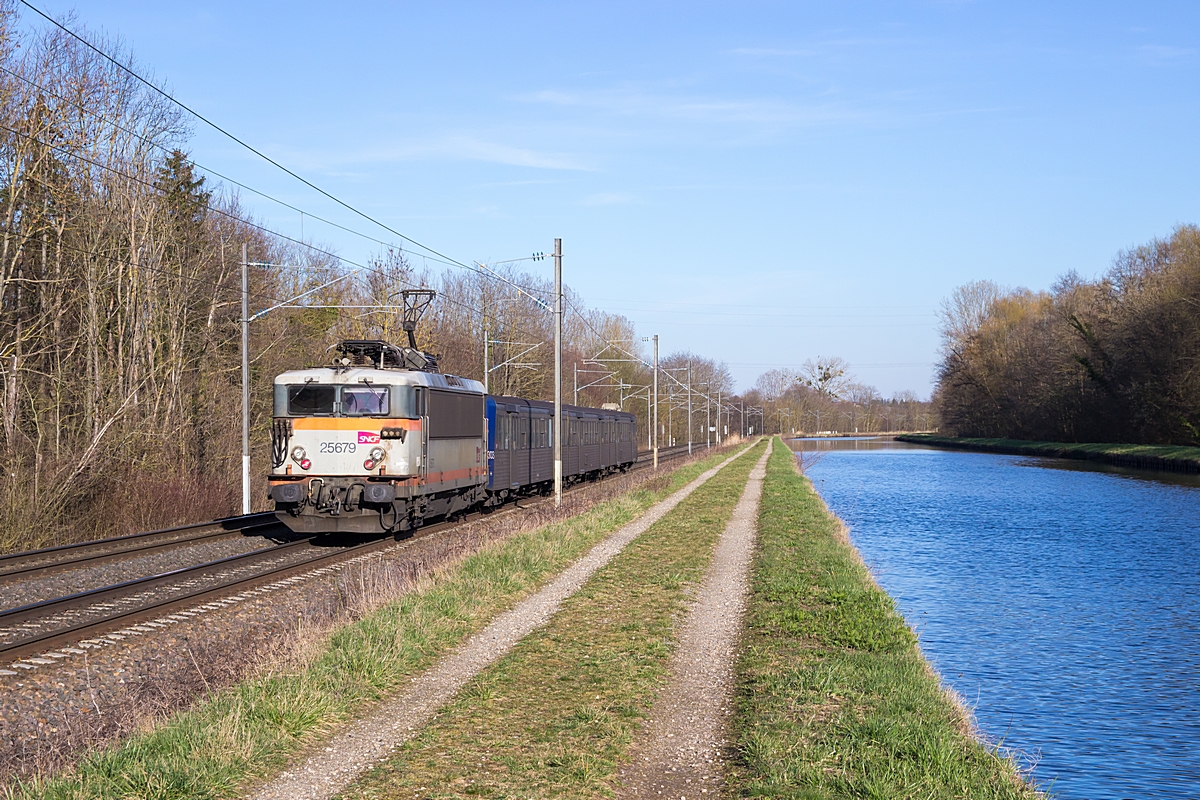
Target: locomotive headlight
(298,454)
(377,454)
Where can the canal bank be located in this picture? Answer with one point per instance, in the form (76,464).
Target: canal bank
(1058,597)
(834,695)
(1174,458)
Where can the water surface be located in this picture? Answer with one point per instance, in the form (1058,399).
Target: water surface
(1059,598)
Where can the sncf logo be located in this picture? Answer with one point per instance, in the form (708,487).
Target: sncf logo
(366,437)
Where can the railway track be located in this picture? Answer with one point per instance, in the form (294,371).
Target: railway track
(131,606)
(72,556)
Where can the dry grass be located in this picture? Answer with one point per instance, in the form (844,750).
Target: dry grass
(381,621)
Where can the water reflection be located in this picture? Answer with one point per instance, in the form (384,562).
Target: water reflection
(1059,598)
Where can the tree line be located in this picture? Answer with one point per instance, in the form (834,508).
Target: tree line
(120,317)
(120,309)
(1115,359)
(823,396)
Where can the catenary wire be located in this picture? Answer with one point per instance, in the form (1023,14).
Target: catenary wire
(234,218)
(260,154)
(437,254)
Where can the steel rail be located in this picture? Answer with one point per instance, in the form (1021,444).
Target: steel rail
(68,556)
(34,611)
(40,643)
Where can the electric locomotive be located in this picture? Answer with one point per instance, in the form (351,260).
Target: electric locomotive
(380,441)
(377,442)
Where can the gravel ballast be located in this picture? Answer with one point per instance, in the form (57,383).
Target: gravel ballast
(680,751)
(20,592)
(372,739)
(97,692)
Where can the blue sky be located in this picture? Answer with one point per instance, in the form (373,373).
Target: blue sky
(757,182)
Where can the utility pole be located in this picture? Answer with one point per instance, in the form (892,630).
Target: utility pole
(671,412)
(656,401)
(689,407)
(649,426)
(720,408)
(575,395)
(486,373)
(245,384)
(743,416)
(558,426)
(707,419)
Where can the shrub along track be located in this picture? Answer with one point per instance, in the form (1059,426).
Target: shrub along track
(49,717)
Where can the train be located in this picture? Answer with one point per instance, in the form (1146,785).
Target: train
(381,441)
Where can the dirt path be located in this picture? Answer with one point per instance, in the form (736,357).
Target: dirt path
(371,740)
(679,753)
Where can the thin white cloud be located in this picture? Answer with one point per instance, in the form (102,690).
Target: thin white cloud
(634,102)
(467,148)
(1166,54)
(608,199)
(453,147)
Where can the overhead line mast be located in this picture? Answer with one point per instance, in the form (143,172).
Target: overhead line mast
(558,320)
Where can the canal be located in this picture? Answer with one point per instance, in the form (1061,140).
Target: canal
(1058,598)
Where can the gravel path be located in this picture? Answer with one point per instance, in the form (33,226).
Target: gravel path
(371,740)
(680,751)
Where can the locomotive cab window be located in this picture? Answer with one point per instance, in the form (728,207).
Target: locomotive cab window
(311,399)
(365,401)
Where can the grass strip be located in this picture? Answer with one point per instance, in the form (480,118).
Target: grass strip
(1177,458)
(249,731)
(834,696)
(556,716)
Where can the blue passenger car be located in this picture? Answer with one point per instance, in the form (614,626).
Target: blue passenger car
(520,444)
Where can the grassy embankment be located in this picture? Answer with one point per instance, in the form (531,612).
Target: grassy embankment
(556,716)
(835,698)
(1176,458)
(251,730)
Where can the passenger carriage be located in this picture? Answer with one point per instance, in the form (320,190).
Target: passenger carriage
(521,444)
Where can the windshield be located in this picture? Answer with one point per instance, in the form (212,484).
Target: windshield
(357,400)
(311,398)
(364,401)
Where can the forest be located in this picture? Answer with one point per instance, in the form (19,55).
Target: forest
(120,315)
(824,396)
(120,308)
(1114,359)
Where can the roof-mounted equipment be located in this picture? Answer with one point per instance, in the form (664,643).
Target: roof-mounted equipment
(383,355)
